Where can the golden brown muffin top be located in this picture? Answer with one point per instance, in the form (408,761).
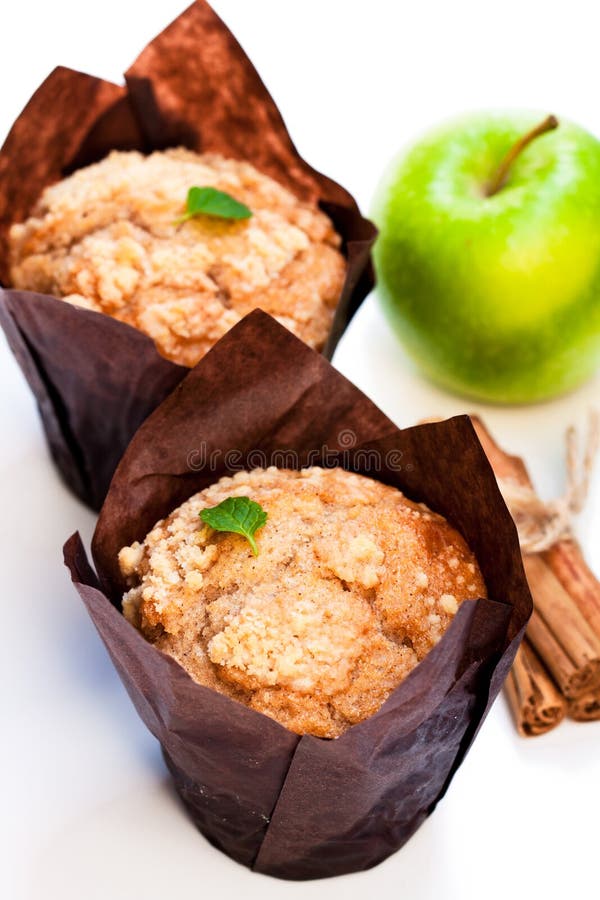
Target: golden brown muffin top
(353,585)
(106,238)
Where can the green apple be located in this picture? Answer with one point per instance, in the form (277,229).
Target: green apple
(488,259)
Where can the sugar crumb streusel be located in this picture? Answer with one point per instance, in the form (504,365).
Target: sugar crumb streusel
(106,239)
(350,590)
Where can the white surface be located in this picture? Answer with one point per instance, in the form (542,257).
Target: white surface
(87,807)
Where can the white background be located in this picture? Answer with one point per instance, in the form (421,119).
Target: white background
(86,802)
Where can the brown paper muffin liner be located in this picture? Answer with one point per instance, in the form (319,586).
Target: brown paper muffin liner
(96,379)
(287,805)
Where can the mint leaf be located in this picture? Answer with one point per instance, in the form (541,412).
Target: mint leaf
(239,515)
(208,201)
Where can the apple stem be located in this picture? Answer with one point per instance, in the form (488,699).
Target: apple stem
(499,179)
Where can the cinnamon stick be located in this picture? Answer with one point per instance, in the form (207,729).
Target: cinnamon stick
(536,703)
(565,626)
(568,565)
(586,708)
(503,464)
(560,633)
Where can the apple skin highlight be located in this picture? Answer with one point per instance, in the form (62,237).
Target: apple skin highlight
(496,298)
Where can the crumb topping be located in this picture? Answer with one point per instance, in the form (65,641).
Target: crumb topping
(353,585)
(105,238)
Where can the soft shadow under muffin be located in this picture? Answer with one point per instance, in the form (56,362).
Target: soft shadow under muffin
(352,586)
(108,238)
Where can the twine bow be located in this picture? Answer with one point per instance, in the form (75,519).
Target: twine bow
(541,523)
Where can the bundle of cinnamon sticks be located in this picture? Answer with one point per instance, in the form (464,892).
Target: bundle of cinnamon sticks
(557,669)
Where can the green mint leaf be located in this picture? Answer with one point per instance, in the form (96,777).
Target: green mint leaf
(239,515)
(208,201)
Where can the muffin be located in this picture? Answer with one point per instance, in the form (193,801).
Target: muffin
(352,586)
(110,238)
(342,561)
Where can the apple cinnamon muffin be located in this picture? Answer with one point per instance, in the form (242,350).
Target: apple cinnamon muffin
(351,585)
(118,238)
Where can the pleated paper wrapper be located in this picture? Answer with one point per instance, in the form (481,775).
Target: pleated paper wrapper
(96,379)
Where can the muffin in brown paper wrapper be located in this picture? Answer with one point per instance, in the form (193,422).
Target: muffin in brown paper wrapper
(95,378)
(295,806)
